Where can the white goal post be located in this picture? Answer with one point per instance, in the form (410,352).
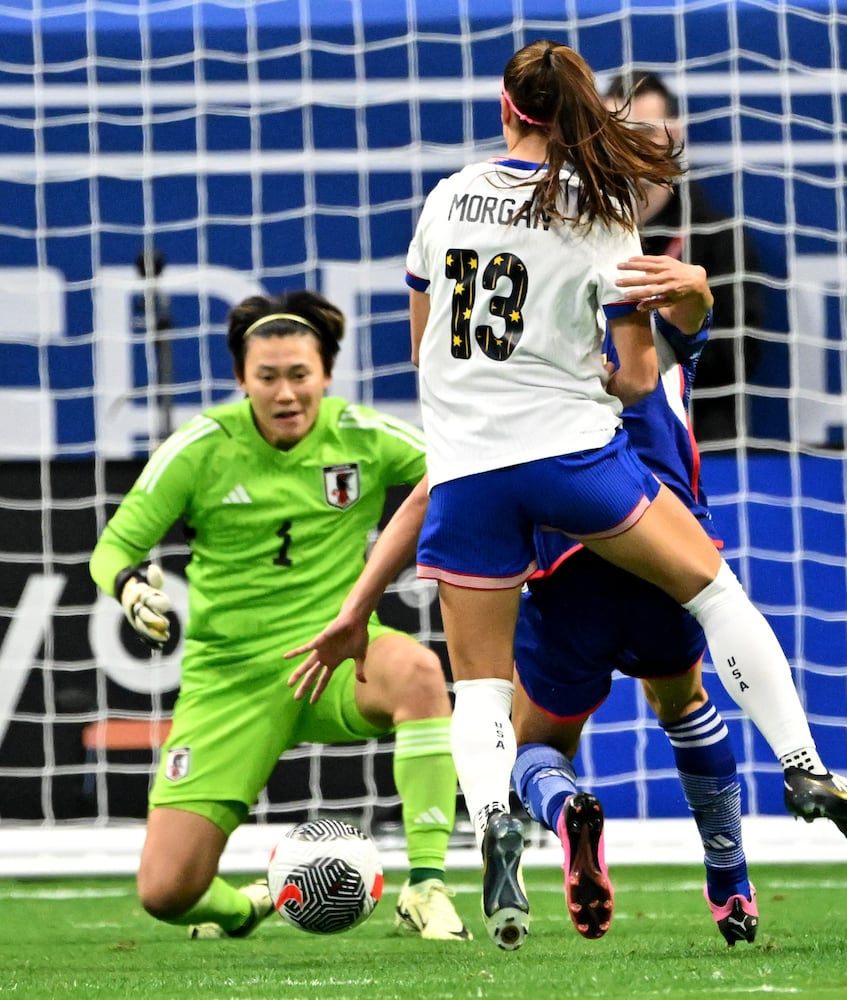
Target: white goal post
(262,146)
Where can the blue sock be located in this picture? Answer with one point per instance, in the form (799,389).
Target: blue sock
(706,766)
(543,778)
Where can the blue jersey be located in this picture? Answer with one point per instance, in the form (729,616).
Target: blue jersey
(659,427)
(582,618)
(660,431)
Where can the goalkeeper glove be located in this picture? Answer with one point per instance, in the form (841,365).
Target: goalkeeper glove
(145,605)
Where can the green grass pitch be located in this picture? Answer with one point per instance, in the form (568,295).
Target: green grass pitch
(89,938)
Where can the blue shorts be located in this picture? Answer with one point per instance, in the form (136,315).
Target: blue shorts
(590,618)
(478,531)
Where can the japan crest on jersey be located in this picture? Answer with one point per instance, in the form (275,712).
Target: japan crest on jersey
(178,763)
(341,485)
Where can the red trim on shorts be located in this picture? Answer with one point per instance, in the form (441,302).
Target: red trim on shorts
(469,582)
(542,574)
(692,442)
(581,717)
(633,517)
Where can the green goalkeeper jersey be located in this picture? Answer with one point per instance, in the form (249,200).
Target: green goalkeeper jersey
(277,538)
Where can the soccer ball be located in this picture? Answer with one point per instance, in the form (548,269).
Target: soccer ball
(325,876)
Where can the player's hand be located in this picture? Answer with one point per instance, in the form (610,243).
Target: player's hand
(146,605)
(661,281)
(343,639)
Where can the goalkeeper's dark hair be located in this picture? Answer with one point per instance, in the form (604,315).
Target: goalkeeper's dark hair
(299,312)
(551,89)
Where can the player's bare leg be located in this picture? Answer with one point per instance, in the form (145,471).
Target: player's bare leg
(178,881)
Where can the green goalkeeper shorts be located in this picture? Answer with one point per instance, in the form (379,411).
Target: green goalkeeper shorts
(230,729)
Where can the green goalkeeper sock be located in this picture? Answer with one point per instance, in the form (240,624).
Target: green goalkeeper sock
(426,781)
(418,875)
(220,904)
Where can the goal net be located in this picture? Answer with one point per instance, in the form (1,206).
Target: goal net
(161,161)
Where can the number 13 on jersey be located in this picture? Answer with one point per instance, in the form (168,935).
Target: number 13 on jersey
(462,266)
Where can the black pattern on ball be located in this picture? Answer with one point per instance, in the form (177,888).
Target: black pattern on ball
(332,894)
(325,876)
(325,829)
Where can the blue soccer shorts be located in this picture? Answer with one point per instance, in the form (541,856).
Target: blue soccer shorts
(478,531)
(588,619)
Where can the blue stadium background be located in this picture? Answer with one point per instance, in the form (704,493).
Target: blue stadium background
(118,206)
(102,219)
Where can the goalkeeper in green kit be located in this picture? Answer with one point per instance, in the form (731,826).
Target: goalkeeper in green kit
(278,494)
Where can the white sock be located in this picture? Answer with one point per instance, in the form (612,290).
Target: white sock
(484,748)
(752,667)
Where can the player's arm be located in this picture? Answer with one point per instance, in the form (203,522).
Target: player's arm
(678,290)
(418,317)
(637,374)
(346,637)
(118,563)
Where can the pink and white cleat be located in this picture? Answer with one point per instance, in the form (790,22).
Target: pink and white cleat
(737,918)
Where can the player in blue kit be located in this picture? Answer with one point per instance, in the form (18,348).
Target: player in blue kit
(581,618)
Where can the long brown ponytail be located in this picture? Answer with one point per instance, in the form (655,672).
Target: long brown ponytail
(553,90)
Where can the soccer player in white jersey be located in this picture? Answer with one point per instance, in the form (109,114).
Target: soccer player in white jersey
(509,264)
(582,617)
(278,494)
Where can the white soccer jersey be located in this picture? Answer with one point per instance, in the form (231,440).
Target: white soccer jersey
(510,363)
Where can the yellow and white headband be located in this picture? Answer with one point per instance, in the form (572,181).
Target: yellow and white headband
(275,316)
